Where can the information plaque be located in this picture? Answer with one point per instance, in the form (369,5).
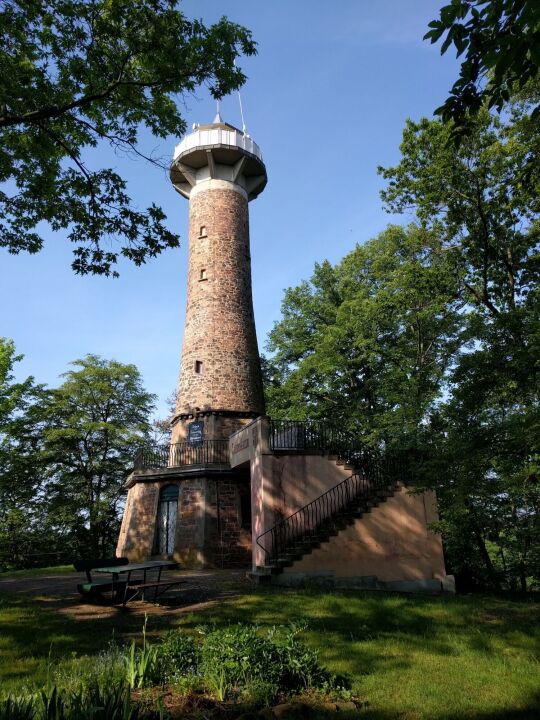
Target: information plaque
(196,432)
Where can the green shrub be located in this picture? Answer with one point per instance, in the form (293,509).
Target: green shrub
(103,703)
(236,655)
(142,663)
(243,656)
(142,666)
(299,664)
(259,693)
(178,656)
(103,670)
(189,684)
(246,662)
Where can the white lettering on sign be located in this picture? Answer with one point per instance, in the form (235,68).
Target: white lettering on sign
(240,445)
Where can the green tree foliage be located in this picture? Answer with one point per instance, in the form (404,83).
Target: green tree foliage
(476,200)
(501,42)
(94,423)
(64,457)
(21,424)
(74,73)
(429,337)
(367,342)
(487,214)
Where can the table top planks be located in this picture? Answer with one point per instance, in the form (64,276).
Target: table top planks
(131,567)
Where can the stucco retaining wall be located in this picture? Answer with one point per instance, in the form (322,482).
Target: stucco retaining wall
(390,543)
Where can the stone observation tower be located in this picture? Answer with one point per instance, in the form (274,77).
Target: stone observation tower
(184,500)
(296,500)
(219,169)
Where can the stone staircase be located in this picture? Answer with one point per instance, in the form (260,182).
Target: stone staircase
(375,478)
(328,528)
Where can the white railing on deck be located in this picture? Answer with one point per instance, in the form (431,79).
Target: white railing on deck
(218,136)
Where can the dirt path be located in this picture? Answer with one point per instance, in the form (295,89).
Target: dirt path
(199,589)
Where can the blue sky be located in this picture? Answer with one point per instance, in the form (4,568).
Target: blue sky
(326,99)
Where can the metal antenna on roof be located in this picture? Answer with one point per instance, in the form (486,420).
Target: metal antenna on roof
(218,119)
(244,128)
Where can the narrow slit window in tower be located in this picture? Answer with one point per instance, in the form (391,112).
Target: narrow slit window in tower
(203,275)
(198,367)
(202,232)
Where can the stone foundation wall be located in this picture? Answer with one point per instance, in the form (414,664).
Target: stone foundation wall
(217,426)
(138,524)
(227,541)
(209,531)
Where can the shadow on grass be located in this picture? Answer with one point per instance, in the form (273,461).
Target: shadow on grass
(33,630)
(424,644)
(530,712)
(443,623)
(360,634)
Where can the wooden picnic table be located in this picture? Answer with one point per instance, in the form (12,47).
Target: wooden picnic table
(134,586)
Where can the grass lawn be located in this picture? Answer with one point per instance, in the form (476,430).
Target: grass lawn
(409,657)
(36,572)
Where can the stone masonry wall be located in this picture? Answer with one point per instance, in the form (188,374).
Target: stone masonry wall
(189,541)
(220,367)
(228,543)
(137,532)
(216,426)
(209,531)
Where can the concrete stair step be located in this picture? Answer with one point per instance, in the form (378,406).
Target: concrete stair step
(286,562)
(262,574)
(357,514)
(262,570)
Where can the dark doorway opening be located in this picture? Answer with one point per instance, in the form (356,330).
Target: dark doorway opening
(245,508)
(166,520)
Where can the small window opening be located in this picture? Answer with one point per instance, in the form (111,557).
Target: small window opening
(203,275)
(198,367)
(202,232)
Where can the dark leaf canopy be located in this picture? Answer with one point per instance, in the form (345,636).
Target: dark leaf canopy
(74,73)
(500,42)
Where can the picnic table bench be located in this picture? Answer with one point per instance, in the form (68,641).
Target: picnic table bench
(134,585)
(94,588)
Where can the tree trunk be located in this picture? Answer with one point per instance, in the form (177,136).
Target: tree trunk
(492,573)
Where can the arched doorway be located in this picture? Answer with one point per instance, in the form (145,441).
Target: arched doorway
(166,520)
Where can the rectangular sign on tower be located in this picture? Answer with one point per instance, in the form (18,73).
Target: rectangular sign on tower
(196,432)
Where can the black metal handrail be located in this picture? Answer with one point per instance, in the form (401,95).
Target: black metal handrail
(209,452)
(316,436)
(375,472)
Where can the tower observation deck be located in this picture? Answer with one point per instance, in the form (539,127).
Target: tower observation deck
(218,151)
(219,169)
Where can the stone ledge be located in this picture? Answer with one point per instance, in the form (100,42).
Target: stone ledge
(180,473)
(325,579)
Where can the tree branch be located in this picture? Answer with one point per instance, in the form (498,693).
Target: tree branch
(54,111)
